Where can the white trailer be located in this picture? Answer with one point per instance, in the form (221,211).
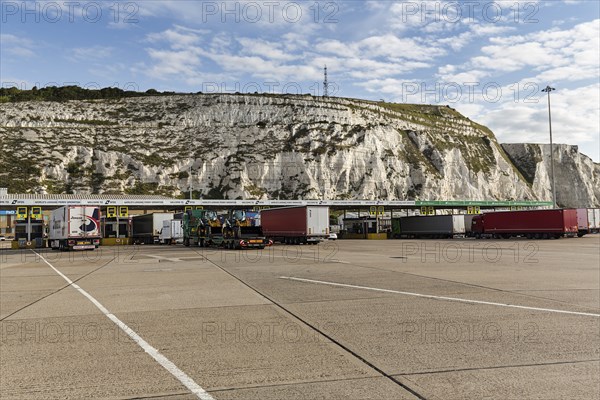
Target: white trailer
(594,219)
(146,228)
(434,227)
(172,232)
(75,228)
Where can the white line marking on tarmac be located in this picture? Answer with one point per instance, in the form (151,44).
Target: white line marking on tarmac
(429,296)
(310,258)
(154,353)
(163,258)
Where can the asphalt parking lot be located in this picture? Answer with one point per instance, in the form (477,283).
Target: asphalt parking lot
(396,319)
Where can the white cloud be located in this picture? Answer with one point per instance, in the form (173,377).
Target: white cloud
(556,55)
(17,46)
(263,48)
(575,119)
(94,53)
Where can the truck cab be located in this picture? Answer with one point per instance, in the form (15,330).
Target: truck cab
(477,226)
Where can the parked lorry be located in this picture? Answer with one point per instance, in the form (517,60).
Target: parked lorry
(171,232)
(205,228)
(532,224)
(583,224)
(429,227)
(594,219)
(146,228)
(74,228)
(296,225)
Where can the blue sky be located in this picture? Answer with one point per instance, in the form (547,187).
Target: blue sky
(489,60)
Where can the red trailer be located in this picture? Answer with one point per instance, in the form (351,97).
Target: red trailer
(296,225)
(583,223)
(537,224)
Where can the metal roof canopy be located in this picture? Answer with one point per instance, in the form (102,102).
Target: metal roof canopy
(53,201)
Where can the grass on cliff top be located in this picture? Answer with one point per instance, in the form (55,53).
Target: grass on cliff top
(66,93)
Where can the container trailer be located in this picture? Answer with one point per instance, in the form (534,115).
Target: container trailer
(296,225)
(146,228)
(583,224)
(429,227)
(594,219)
(74,228)
(533,224)
(171,232)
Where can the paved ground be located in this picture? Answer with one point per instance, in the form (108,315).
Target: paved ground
(458,319)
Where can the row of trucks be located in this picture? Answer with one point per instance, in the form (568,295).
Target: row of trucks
(78,228)
(531,224)
(289,225)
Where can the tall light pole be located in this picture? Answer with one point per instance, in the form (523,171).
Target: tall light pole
(548,89)
(191,183)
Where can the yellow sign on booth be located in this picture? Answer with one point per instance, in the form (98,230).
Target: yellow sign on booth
(21,213)
(111,212)
(123,212)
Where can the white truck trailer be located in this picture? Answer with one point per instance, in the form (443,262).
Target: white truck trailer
(75,228)
(172,232)
(432,227)
(146,228)
(594,219)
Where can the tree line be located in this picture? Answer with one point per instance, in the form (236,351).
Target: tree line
(66,93)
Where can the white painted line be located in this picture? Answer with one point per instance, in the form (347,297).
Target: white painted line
(429,296)
(310,258)
(154,353)
(163,258)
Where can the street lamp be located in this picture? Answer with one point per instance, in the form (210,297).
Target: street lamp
(548,89)
(191,183)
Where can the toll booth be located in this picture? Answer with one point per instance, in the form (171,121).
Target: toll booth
(115,223)
(29,228)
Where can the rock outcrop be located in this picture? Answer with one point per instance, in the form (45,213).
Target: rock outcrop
(577,177)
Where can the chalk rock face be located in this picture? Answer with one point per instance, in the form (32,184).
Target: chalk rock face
(257,147)
(577,177)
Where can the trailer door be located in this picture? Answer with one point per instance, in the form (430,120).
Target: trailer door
(318,220)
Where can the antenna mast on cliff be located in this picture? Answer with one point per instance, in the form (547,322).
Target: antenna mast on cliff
(325,84)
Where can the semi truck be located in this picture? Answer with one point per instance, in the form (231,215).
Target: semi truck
(296,225)
(532,224)
(74,228)
(429,227)
(594,219)
(205,228)
(146,228)
(171,232)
